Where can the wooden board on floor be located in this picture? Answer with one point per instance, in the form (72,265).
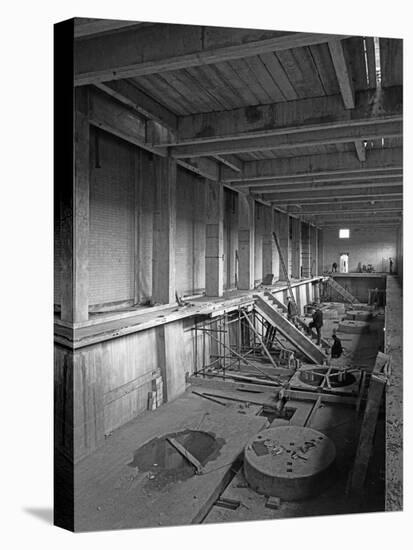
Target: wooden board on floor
(368,429)
(221,384)
(241,396)
(110,494)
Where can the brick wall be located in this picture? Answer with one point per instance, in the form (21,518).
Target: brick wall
(112,220)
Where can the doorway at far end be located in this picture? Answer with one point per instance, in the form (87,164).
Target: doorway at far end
(344,262)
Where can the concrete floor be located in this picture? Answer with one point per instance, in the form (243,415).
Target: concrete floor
(109,494)
(339,423)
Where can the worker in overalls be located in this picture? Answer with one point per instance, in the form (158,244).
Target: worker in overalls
(316,323)
(336,348)
(291,311)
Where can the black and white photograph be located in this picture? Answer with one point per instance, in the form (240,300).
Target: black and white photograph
(204,269)
(228,268)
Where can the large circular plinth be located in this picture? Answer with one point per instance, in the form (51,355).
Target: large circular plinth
(353,327)
(358,315)
(337,378)
(290,462)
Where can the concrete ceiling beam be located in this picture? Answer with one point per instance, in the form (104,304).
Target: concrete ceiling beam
(289,117)
(303,137)
(166,47)
(370,193)
(332,164)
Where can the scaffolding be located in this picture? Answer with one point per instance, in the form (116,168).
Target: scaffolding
(239,344)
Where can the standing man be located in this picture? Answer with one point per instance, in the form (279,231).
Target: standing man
(391,265)
(291,310)
(317,323)
(335,267)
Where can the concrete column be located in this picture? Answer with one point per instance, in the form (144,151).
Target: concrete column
(144,207)
(305,250)
(74,220)
(320,252)
(314,250)
(282,229)
(164,229)
(296,249)
(214,248)
(316,292)
(269,251)
(258,242)
(246,230)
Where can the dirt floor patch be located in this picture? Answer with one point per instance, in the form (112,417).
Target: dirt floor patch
(166,465)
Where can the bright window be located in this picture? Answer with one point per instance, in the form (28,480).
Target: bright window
(344,233)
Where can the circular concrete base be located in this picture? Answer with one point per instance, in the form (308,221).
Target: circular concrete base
(290,462)
(362,307)
(358,315)
(354,327)
(315,377)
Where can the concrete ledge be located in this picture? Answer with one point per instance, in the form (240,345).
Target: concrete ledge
(394,395)
(111,326)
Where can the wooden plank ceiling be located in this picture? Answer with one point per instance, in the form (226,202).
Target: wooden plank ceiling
(241,98)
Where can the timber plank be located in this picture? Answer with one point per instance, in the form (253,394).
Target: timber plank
(231,79)
(245,73)
(263,77)
(278,75)
(160,90)
(371,61)
(301,72)
(265,398)
(368,428)
(177,81)
(214,84)
(391,60)
(354,54)
(207,101)
(322,59)
(343,72)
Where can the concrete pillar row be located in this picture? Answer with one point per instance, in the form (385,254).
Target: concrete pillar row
(214,247)
(269,251)
(74,221)
(305,250)
(296,249)
(282,228)
(164,230)
(246,237)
